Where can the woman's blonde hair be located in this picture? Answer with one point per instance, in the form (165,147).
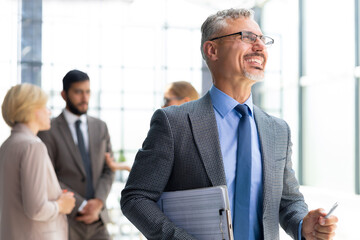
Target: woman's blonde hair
(20,103)
(183,89)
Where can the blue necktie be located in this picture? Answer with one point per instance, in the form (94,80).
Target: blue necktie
(243,176)
(89,194)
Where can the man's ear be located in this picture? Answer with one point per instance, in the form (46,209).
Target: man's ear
(63,95)
(210,50)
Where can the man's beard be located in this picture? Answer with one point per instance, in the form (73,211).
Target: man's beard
(257,77)
(72,108)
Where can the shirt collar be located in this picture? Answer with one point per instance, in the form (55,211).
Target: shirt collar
(223,103)
(72,118)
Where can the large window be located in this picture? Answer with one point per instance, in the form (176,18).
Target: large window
(131,51)
(329,103)
(325,94)
(8,57)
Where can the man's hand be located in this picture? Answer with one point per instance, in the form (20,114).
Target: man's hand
(91,211)
(315,226)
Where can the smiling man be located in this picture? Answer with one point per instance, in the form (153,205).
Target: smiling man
(223,139)
(78,146)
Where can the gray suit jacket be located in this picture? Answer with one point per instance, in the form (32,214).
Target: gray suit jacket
(28,190)
(182,151)
(68,164)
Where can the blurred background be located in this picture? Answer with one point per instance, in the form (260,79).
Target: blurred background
(132,49)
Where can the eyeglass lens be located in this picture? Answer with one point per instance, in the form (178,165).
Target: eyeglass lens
(251,37)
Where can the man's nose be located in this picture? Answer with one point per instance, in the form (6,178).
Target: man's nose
(259,45)
(85,96)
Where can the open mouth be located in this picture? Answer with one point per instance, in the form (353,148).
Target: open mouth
(255,60)
(252,60)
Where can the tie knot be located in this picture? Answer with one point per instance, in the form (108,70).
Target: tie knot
(243,109)
(77,123)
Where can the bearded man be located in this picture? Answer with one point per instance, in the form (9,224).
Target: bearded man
(79,146)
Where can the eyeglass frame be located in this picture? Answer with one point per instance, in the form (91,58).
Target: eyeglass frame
(241,34)
(168,100)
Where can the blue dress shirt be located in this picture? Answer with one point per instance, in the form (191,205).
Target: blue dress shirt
(227,120)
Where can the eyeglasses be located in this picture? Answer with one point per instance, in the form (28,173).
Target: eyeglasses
(249,37)
(168,100)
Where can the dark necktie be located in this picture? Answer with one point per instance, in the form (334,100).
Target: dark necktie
(89,194)
(243,176)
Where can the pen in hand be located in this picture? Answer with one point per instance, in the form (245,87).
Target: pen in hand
(331,210)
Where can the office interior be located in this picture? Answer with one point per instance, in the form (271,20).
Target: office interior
(132,49)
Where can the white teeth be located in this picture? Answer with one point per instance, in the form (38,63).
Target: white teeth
(254,60)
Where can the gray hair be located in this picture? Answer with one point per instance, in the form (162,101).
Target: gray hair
(214,23)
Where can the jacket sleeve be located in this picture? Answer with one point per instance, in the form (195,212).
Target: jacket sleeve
(148,179)
(34,184)
(292,206)
(103,187)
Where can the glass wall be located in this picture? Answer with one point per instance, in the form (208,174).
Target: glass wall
(328,86)
(8,49)
(320,105)
(329,103)
(131,51)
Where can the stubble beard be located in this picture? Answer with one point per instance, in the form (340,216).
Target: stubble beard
(72,108)
(254,77)
(260,75)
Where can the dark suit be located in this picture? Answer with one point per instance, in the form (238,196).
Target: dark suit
(182,151)
(69,166)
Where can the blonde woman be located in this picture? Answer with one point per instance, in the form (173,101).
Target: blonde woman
(32,204)
(178,93)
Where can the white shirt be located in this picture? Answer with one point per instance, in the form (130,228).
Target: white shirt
(71,119)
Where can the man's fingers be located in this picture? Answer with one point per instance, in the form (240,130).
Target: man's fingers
(320,212)
(88,219)
(326,229)
(325,236)
(332,220)
(81,218)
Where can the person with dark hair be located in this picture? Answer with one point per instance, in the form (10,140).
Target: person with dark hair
(224,139)
(32,205)
(79,146)
(179,92)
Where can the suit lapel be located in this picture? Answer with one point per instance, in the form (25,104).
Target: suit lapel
(69,142)
(93,134)
(204,128)
(265,129)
